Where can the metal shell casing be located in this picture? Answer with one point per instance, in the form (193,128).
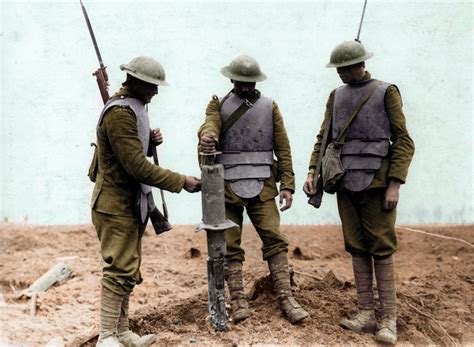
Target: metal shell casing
(213,200)
(215,223)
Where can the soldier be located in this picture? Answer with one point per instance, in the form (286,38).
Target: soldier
(248,128)
(124,139)
(376,155)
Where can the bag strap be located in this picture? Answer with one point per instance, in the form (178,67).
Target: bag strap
(246,105)
(342,135)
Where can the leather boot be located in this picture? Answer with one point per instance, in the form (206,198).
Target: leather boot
(125,335)
(235,282)
(385,276)
(364,320)
(278,265)
(110,304)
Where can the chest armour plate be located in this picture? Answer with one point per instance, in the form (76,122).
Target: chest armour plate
(247,147)
(253,132)
(368,139)
(143,125)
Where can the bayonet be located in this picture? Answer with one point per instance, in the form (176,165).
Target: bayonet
(101,73)
(361,21)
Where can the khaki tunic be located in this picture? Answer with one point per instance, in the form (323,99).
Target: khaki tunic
(262,210)
(368,229)
(122,166)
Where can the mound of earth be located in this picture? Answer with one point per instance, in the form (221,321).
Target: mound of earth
(435,279)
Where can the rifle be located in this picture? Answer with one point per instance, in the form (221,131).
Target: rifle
(159,221)
(316,199)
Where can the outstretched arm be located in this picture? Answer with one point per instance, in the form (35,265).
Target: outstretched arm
(121,128)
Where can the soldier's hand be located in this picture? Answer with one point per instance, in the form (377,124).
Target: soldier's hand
(156,137)
(192,184)
(391,195)
(208,144)
(286,195)
(308,187)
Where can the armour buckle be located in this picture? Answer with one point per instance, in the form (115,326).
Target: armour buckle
(248,103)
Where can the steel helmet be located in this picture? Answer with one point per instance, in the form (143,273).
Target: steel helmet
(348,53)
(146,69)
(244,69)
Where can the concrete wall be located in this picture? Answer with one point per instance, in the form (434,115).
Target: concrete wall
(50,101)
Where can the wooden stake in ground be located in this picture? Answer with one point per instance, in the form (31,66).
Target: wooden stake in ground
(34,297)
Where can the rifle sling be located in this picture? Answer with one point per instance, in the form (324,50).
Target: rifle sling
(239,112)
(155,160)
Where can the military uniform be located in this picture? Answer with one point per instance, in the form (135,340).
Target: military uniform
(251,173)
(375,154)
(375,234)
(122,167)
(262,208)
(122,196)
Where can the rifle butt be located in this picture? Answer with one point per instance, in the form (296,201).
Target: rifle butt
(159,222)
(316,199)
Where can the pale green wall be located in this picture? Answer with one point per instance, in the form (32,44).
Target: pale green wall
(50,102)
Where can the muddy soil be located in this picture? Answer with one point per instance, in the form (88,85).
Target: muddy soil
(435,279)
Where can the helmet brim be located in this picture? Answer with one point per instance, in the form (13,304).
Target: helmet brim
(367,55)
(141,77)
(242,78)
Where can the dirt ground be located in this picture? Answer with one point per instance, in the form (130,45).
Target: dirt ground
(435,279)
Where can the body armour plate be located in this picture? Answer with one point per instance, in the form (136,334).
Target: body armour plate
(247,147)
(143,125)
(368,139)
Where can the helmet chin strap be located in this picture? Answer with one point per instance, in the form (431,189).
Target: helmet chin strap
(361,21)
